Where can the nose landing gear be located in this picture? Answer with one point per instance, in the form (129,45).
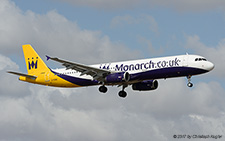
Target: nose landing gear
(189,84)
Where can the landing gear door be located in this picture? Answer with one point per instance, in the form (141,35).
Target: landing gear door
(185,60)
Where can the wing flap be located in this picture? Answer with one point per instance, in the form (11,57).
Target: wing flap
(96,73)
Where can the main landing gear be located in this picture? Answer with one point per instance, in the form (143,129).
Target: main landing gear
(189,84)
(122,93)
(103,89)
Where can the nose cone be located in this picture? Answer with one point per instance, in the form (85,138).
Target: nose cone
(209,66)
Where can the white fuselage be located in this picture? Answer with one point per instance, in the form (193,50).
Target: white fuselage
(144,65)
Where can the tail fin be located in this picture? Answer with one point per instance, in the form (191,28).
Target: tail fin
(34,63)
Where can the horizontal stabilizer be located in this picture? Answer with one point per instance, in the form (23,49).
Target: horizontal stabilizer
(48,57)
(21,74)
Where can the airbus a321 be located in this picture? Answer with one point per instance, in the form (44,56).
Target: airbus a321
(141,74)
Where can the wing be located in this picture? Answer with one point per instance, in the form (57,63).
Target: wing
(96,73)
(21,74)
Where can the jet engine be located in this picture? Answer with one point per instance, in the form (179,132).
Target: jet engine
(118,77)
(145,85)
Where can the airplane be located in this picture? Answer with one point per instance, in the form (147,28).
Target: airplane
(141,74)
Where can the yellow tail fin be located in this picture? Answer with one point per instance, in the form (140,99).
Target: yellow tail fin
(35,65)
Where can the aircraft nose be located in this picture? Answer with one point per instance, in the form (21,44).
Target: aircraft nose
(210,66)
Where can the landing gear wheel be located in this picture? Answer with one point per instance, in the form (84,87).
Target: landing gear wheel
(122,94)
(103,89)
(190,84)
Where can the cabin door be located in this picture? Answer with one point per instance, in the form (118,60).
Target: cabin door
(47,76)
(185,60)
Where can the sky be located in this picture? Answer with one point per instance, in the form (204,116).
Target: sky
(96,31)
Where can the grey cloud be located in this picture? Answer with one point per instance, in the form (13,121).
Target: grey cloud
(122,21)
(149,47)
(173,99)
(106,4)
(178,5)
(46,113)
(213,54)
(53,34)
(9,85)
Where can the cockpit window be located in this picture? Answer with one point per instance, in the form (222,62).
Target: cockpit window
(200,59)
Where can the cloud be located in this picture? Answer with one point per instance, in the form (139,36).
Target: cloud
(123,21)
(191,5)
(179,5)
(9,85)
(53,34)
(46,113)
(105,4)
(212,53)
(150,50)
(81,114)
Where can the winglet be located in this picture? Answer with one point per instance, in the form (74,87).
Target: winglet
(48,57)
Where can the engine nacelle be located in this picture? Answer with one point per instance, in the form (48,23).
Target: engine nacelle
(118,77)
(145,85)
